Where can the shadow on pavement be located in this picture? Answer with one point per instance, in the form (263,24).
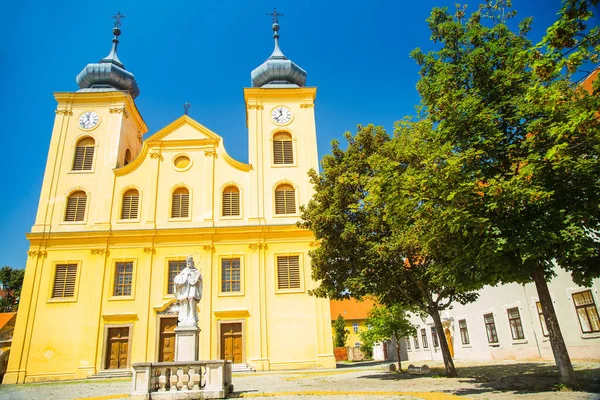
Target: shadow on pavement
(361,364)
(518,378)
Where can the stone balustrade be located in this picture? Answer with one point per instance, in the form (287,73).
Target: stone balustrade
(182,380)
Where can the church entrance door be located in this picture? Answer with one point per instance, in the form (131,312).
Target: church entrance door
(231,342)
(117,356)
(166,351)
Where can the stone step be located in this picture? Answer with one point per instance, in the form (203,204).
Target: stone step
(112,373)
(243,367)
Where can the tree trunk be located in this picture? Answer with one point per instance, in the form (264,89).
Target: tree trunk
(559,349)
(398,352)
(448,363)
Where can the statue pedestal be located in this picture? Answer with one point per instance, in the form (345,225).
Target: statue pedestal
(186,343)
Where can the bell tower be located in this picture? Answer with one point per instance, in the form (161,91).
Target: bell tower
(97,129)
(282,141)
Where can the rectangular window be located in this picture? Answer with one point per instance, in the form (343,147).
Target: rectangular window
(230,275)
(416,342)
(464,332)
(123,279)
(288,272)
(434,337)
(542,320)
(490,327)
(175,267)
(424,338)
(355,327)
(586,311)
(64,280)
(407,343)
(514,320)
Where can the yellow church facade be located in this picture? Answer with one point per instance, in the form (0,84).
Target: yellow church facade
(118,215)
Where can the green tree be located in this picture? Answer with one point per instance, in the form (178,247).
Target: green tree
(340,332)
(387,323)
(518,146)
(367,250)
(11,281)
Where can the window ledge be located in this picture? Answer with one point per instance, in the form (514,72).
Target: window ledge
(231,294)
(283,165)
(182,219)
(89,171)
(592,335)
(62,300)
(494,344)
(128,221)
(231,217)
(295,215)
(520,341)
(72,223)
(466,346)
(121,298)
(286,291)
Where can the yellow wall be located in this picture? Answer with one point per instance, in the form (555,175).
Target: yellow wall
(65,338)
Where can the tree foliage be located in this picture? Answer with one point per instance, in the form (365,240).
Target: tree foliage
(518,146)
(388,323)
(11,281)
(340,332)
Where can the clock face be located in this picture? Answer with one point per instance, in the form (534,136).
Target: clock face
(281,115)
(88,120)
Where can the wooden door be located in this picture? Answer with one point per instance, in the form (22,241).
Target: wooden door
(166,351)
(117,355)
(231,342)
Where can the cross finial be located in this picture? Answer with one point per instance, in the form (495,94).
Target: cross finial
(275,15)
(118,16)
(186,107)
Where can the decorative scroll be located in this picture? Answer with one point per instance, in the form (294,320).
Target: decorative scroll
(99,252)
(121,110)
(314,244)
(140,137)
(63,111)
(208,247)
(156,154)
(37,253)
(307,105)
(255,107)
(210,153)
(149,249)
(255,246)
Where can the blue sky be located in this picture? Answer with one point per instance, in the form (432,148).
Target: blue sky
(202,52)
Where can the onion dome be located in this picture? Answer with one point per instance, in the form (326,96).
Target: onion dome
(109,73)
(278,70)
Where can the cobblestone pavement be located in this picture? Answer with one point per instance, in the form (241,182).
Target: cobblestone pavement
(490,380)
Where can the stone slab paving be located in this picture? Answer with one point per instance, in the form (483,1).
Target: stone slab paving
(490,380)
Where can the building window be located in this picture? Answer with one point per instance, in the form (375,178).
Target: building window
(464,332)
(586,311)
(231,201)
(84,154)
(288,272)
(130,205)
(282,148)
(175,267)
(180,205)
(76,207)
(123,278)
(355,327)
(538,305)
(514,320)
(490,327)
(285,200)
(424,338)
(64,280)
(230,275)
(434,337)
(127,159)
(416,342)
(407,343)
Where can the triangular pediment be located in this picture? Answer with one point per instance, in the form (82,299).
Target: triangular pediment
(182,129)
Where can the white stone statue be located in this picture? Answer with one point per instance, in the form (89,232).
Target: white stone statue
(188,290)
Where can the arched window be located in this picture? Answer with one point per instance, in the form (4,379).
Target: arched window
(180,205)
(231,201)
(76,207)
(127,157)
(285,199)
(130,205)
(283,152)
(84,154)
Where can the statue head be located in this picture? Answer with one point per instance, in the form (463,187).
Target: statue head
(189,260)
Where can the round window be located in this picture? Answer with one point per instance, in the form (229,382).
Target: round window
(182,162)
